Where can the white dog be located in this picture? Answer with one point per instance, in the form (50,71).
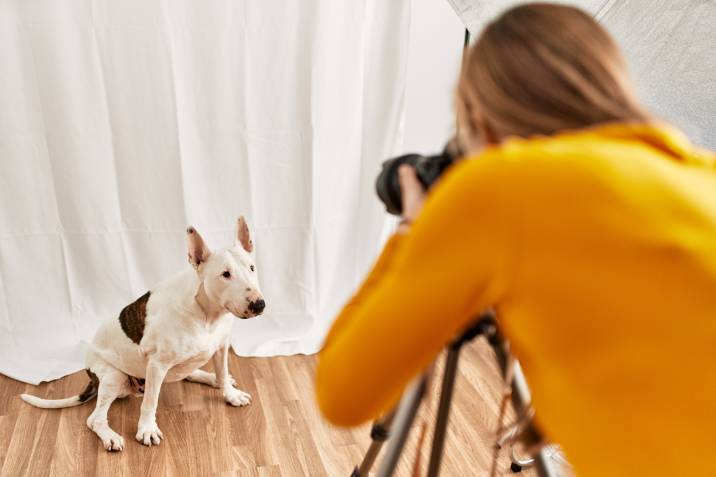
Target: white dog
(167,334)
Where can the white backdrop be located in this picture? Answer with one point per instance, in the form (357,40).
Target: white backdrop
(122,122)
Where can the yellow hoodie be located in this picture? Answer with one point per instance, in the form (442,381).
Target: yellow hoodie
(597,248)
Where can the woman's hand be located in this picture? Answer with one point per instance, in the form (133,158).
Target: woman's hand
(413,196)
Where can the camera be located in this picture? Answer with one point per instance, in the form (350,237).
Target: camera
(427,168)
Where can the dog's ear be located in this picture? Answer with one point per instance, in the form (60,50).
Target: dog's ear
(242,234)
(197,250)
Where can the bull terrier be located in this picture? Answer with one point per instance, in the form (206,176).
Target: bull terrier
(168,334)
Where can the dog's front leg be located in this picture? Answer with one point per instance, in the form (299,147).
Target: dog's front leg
(148,432)
(233,396)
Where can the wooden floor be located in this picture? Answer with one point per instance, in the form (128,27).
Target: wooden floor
(280,434)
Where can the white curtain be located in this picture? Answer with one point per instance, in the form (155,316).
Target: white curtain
(123,121)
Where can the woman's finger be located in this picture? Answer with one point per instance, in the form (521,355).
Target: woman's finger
(412,191)
(408,179)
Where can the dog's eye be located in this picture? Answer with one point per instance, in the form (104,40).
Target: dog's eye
(252,268)
(226,274)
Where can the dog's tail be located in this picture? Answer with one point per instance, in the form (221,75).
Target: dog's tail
(89,393)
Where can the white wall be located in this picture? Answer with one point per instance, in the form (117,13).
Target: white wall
(435,50)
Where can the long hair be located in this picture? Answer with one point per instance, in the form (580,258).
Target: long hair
(541,68)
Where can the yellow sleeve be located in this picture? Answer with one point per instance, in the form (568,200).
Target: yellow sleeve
(451,265)
(370,282)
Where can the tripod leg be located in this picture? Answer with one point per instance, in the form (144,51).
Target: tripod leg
(443,417)
(378,434)
(544,464)
(404,417)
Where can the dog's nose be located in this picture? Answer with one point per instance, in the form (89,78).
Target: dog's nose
(257,306)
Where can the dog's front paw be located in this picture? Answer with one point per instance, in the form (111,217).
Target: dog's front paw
(238,398)
(112,441)
(149,434)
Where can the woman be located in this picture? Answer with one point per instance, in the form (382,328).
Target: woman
(588,226)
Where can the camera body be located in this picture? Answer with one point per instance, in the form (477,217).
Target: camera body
(427,168)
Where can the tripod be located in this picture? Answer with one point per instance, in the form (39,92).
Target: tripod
(402,417)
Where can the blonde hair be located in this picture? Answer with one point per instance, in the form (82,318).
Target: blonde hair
(542,68)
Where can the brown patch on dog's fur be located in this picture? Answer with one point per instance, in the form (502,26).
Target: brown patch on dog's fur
(92,387)
(132,318)
(137,384)
(93,378)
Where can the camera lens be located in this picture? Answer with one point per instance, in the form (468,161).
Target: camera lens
(430,168)
(427,168)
